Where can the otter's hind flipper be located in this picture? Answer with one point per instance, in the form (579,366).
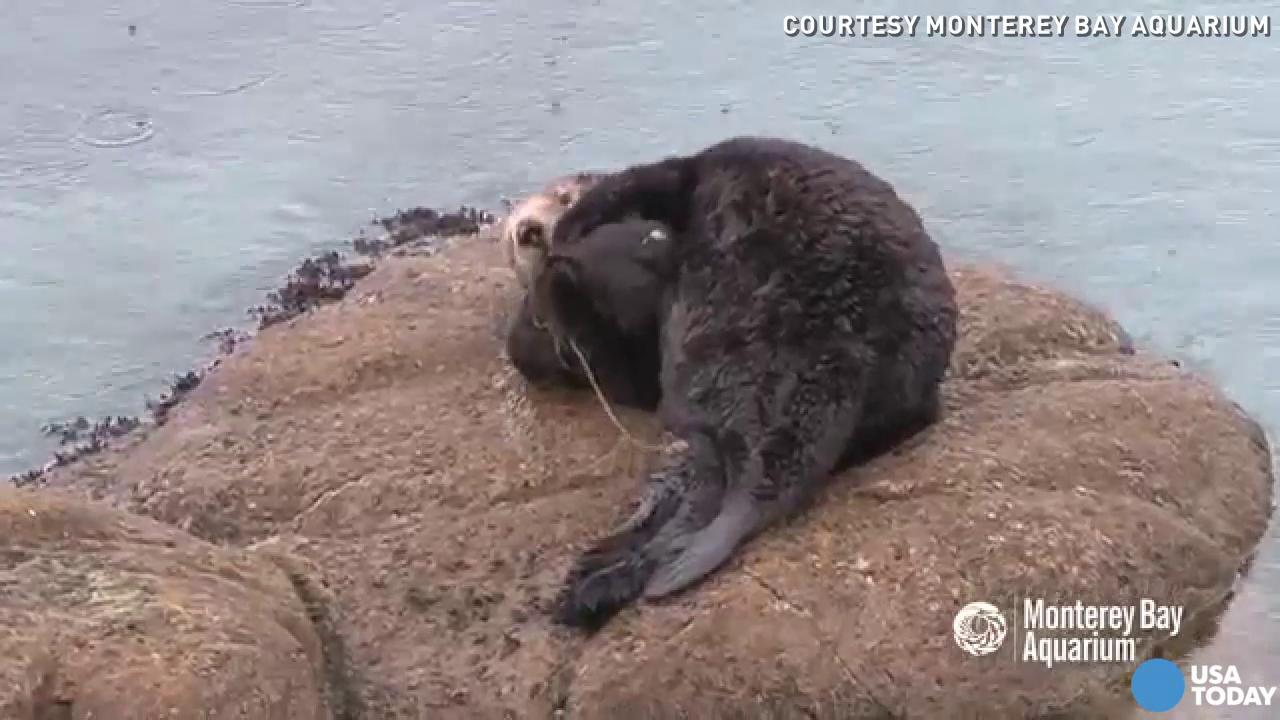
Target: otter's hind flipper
(604,580)
(708,548)
(614,571)
(681,500)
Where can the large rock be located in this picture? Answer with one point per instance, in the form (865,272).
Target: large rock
(387,441)
(106,615)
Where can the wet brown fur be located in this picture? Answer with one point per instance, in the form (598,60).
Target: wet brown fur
(607,295)
(809,322)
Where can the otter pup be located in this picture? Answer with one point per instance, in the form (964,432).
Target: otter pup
(810,321)
(604,294)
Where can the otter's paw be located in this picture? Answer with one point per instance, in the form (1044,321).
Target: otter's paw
(602,582)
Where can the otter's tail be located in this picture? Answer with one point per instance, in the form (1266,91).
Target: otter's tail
(614,572)
(684,528)
(701,552)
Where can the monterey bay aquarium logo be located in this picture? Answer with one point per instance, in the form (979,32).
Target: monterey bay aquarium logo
(1055,634)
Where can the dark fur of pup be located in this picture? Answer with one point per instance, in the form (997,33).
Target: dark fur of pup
(606,292)
(810,322)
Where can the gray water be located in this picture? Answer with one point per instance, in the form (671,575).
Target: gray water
(155,184)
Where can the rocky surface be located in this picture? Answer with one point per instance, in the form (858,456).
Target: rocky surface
(379,454)
(105,614)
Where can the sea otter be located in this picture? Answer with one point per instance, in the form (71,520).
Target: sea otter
(809,322)
(525,233)
(606,294)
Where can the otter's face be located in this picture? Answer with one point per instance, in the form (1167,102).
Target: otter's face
(526,233)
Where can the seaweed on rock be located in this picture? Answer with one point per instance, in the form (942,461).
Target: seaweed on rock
(317,281)
(329,277)
(411,227)
(76,439)
(179,387)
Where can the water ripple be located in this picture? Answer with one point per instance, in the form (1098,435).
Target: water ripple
(246,85)
(269,3)
(39,174)
(385,17)
(36,154)
(116,127)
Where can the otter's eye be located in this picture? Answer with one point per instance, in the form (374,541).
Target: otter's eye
(565,198)
(529,236)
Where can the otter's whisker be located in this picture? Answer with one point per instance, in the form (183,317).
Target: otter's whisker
(604,402)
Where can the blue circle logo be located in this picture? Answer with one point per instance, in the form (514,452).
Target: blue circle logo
(1158,685)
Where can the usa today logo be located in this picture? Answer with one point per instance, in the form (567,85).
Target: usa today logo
(1159,686)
